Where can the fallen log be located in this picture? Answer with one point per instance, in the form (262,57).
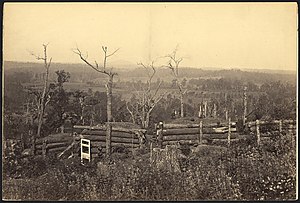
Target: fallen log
(102,144)
(219,136)
(103,128)
(114,134)
(176,126)
(191,131)
(93,132)
(95,147)
(194,138)
(252,123)
(53,145)
(180,137)
(179,142)
(70,147)
(113,139)
(181,131)
(54,139)
(211,125)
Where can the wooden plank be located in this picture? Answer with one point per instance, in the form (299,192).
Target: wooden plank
(191,131)
(101,143)
(180,141)
(114,133)
(211,125)
(181,131)
(93,132)
(113,139)
(175,126)
(180,137)
(195,136)
(95,145)
(253,123)
(219,136)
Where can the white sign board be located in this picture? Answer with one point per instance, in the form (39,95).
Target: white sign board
(85,146)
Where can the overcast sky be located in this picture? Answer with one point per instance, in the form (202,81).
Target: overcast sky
(228,35)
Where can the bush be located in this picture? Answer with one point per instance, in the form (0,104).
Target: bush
(267,172)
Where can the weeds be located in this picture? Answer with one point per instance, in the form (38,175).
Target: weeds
(241,172)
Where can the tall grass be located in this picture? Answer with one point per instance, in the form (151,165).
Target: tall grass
(242,172)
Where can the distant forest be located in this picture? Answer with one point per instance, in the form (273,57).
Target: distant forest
(32,72)
(270,95)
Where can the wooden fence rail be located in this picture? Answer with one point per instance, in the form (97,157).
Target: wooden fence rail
(59,143)
(196,133)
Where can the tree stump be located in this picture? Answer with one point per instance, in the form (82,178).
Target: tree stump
(166,159)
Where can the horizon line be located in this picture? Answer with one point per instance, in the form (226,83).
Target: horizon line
(203,67)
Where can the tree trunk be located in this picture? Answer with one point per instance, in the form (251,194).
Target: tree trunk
(143,111)
(181,105)
(109,98)
(42,104)
(215,111)
(109,114)
(147,120)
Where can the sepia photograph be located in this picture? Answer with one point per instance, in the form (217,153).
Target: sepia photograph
(149,101)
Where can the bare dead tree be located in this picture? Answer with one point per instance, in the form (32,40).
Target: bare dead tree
(42,98)
(173,65)
(109,85)
(148,97)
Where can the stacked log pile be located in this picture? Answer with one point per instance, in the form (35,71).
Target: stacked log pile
(195,133)
(221,132)
(121,137)
(53,144)
(267,128)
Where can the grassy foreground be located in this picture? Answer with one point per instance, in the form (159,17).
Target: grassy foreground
(240,172)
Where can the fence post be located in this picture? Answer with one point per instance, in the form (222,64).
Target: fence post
(44,148)
(290,129)
(160,134)
(205,109)
(201,132)
(257,132)
(200,111)
(33,144)
(151,152)
(215,111)
(108,138)
(229,131)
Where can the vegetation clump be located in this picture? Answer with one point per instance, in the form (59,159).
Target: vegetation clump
(242,172)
